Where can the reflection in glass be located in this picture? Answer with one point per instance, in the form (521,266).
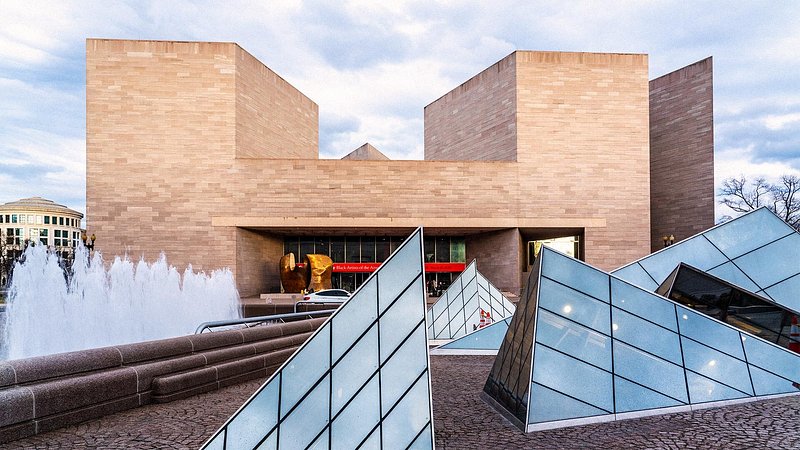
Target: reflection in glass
(574,305)
(650,371)
(576,275)
(716,365)
(730,304)
(772,263)
(574,339)
(643,304)
(702,389)
(646,336)
(709,332)
(633,397)
(748,232)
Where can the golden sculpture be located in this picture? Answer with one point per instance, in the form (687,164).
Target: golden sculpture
(293,278)
(321,271)
(315,275)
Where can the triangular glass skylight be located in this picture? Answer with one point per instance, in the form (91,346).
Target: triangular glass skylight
(362,379)
(756,251)
(460,310)
(585,346)
(485,340)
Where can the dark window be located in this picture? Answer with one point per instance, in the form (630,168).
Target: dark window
(321,246)
(382,249)
(367,249)
(429,246)
(442,249)
(13,218)
(337,249)
(395,242)
(61,221)
(306,248)
(47,220)
(43,240)
(352,252)
(291,245)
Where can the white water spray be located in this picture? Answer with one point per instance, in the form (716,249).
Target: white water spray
(129,302)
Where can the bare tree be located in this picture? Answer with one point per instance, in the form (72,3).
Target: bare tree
(782,198)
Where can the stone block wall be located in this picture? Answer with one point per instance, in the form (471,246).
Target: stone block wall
(476,120)
(682,152)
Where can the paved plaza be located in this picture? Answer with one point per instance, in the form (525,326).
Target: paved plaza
(462,421)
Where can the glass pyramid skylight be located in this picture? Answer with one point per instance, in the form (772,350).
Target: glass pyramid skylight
(586,346)
(485,340)
(757,252)
(361,380)
(458,310)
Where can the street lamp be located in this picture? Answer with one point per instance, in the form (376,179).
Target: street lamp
(88,243)
(668,240)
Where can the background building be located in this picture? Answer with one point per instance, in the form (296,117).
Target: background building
(36,220)
(199,150)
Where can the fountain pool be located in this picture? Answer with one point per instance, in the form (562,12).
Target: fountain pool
(106,304)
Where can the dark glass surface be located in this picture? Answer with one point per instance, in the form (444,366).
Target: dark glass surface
(730,304)
(442,249)
(382,249)
(367,249)
(352,251)
(337,249)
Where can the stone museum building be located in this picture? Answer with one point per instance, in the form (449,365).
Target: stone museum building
(199,150)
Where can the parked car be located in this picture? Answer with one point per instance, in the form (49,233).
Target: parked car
(327,295)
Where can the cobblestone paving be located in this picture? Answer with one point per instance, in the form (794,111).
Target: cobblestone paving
(461,419)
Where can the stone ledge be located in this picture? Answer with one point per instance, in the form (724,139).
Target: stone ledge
(45,393)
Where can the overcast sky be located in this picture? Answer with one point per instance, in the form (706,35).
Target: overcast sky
(372,66)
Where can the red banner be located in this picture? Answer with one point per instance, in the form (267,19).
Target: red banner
(371,267)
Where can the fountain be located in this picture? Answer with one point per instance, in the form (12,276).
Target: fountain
(128,302)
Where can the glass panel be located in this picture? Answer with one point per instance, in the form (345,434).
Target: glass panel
(403,368)
(306,248)
(548,405)
(360,416)
(572,377)
(771,358)
(573,339)
(304,369)
(574,305)
(747,232)
(256,419)
(710,332)
(423,441)
(470,325)
(304,423)
(398,321)
(373,442)
(354,369)
(766,383)
(353,317)
(635,275)
(729,272)
(646,336)
(643,304)
(650,371)
(400,270)
(270,443)
(488,338)
(785,293)
(702,389)
(442,328)
(772,263)
(697,252)
(575,274)
(716,365)
(321,443)
(410,416)
(469,271)
(218,443)
(632,397)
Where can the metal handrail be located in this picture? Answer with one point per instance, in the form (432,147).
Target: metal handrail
(260,319)
(316,302)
